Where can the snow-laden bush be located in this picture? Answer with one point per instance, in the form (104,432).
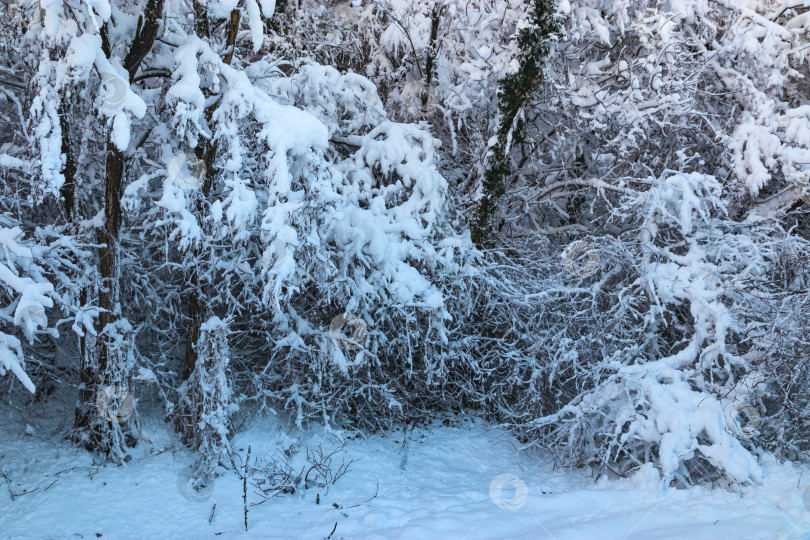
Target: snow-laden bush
(370,242)
(642,361)
(313,206)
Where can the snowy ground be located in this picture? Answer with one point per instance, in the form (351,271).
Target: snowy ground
(442,483)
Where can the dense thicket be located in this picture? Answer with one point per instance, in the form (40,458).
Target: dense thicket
(585,219)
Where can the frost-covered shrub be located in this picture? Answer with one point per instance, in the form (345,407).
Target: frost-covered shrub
(291,471)
(373,242)
(312,205)
(638,362)
(778,383)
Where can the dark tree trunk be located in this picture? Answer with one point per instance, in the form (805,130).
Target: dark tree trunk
(68,191)
(94,373)
(108,253)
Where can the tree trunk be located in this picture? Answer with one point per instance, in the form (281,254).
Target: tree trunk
(108,253)
(68,191)
(103,372)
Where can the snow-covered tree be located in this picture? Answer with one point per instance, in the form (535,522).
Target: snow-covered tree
(234,206)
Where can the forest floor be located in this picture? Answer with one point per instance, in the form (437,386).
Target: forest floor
(443,482)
